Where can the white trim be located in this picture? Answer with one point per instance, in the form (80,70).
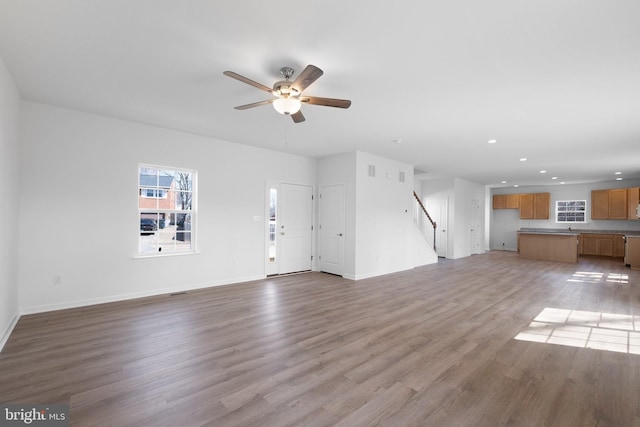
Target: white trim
(377,274)
(7,333)
(163,255)
(135,295)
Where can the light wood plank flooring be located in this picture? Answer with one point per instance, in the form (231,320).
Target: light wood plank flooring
(434,346)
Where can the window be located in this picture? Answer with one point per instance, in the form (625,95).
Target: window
(153,193)
(166,210)
(571,211)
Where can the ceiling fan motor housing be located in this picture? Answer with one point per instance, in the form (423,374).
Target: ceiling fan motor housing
(283,88)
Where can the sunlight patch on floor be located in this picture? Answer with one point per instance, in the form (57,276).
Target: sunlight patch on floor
(585,329)
(596,277)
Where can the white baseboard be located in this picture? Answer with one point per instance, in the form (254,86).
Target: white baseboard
(7,333)
(134,295)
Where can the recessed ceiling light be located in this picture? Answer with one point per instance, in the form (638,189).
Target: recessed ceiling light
(543,171)
(515,185)
(554,177)
(562,182)
(618,173)
(523,159)
(504,182)
(618,179)
(492,141)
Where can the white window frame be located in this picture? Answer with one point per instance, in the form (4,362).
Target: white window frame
(171,248)
(571,206)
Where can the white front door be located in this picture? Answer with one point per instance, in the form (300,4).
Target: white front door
(294,228)
(438,208)
(331,229)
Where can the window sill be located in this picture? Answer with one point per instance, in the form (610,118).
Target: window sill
(165,255)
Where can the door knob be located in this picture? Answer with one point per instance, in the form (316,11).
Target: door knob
(339,234)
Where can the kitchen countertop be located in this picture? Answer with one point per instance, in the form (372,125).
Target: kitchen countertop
(629,233)
(551,232)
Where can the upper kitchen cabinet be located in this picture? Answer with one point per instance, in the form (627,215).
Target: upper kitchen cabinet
(526,206)
(541,203)
(618,203)
(534,206)
(600,204)
(633,199)
(506,201)
(609,204)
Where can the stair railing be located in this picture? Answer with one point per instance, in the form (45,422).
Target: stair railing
(420,213)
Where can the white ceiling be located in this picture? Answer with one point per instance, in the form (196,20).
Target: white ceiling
(555,81)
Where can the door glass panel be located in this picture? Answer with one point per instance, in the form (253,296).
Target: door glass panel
(273,205)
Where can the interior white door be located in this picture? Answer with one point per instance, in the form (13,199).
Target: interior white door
(475,227)
(294,229)
(331,229)
(438,209)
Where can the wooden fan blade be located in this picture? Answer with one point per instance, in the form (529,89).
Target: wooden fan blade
(327,102)
(255,104)
(250,82)
(306,77)
(298,117)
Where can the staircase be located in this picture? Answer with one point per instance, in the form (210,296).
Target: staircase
(426,234)
(424,222)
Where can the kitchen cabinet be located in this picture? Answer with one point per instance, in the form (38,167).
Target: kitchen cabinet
(513,201)
(610,204)
(534,206)
(600,204)
(541,205)
(506,201)
(526,206)
(618,246)
(499,201)
(618,203)
(548,246)
(633,198)
(604,245)
(633,252)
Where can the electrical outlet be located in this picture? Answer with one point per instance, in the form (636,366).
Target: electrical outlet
(57,280)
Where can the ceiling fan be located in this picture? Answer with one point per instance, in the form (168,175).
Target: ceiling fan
(288,93)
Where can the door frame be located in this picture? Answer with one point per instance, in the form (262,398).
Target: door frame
(342,220)
(442,223)
(273,268)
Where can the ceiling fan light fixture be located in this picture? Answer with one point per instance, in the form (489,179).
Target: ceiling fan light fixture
(287,105)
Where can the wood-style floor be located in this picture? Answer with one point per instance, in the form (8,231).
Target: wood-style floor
(435,346)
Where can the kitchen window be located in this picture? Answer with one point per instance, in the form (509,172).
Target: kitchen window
(571,211)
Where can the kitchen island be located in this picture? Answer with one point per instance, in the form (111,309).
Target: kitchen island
(633,252)
(549,246)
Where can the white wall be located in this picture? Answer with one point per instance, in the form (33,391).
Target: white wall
(380,236)
(78,206)
(9,191)
(464,193)
(384,217)
(506,222)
